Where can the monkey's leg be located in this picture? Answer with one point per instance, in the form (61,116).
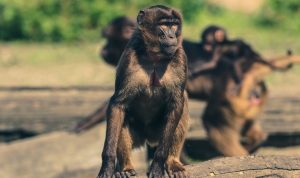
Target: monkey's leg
(127,141)
(227,141)
(93,119)
(115,120)
(254,134)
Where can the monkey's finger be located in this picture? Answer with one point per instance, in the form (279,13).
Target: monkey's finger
(186,174)
(169,173)
(131,172)
(179,175)
(117,175)
(124,175)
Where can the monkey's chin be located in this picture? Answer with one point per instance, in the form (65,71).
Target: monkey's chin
(169,51)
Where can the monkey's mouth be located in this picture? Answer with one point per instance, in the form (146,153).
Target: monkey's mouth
(169,50)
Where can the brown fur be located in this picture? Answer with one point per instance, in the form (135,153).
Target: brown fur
(235,53)
(230,116)
(141,111)
(205,84)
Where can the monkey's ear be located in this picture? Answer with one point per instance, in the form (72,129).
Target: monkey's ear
(140,17)
(177,14)
(107,31)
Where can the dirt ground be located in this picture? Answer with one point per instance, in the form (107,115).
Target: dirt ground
(54,152)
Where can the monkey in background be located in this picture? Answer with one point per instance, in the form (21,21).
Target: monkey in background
(117,33)
(149,104)
(235,53)
(231,117)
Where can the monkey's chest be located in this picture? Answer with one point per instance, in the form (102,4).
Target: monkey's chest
(154,88)
(149,105)
(155,79)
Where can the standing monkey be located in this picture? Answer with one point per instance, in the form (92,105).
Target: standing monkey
(149,103)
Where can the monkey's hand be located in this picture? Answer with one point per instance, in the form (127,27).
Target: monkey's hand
(156,170)
(283,69)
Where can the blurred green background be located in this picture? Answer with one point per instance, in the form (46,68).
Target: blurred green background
(56,42)
(73,20)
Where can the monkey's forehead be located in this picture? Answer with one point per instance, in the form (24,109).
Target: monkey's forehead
(161,18)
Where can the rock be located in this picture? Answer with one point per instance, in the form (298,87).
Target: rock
(57,155)
(245,167)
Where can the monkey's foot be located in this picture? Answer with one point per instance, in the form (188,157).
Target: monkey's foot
(255,141)
(107,170)
(105,174)
(125,173)
(176,169)
(156,171)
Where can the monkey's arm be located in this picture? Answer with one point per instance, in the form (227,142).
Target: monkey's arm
(115,119)
(209,65)
(173,116)
(253,55)
(272,66)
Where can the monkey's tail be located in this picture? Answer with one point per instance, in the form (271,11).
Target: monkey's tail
(92,120)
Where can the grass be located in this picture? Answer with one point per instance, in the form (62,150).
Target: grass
(53,64)
(65,64)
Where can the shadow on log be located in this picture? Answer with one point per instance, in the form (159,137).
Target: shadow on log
(15,134)
(245,167)
(201,149)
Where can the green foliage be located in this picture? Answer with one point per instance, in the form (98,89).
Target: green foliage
(53,20)
(280,14)
(75,20)
(69,20)
(11,23)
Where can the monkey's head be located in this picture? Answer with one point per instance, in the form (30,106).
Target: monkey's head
(213,35)
(118,32)
(121,28)
(160,28)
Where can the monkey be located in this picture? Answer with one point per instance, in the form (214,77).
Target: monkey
(197,88)
(200,86)
(229,117)
(199,56)
(117,33)
(149,104)
(233,52)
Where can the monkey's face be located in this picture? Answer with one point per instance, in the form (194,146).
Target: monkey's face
(220,36)
(213,35)
(161,29)
(166,32)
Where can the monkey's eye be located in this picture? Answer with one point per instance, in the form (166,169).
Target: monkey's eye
(174,27)
(164,27)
